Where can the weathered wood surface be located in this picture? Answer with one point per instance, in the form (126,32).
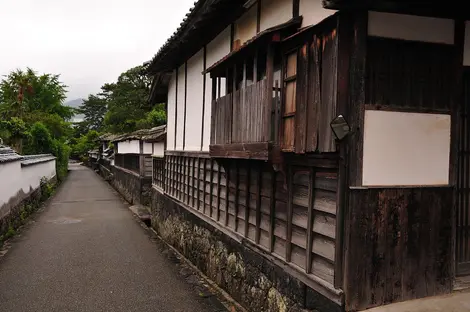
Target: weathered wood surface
(241,116)
(399,245)
(296,223)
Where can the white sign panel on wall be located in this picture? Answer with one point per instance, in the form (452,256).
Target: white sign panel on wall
(406,149)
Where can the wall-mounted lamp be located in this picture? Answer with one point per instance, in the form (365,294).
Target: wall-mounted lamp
(340,127)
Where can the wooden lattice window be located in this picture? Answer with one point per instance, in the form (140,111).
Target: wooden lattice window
(289,107)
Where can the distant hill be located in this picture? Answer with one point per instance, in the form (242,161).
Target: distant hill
(75,104)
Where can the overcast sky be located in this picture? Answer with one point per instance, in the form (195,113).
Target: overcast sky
(87,42)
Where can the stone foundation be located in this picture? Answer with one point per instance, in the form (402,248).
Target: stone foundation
(256,282)
(134,188)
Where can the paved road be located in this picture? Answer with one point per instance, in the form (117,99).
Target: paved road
(85,252)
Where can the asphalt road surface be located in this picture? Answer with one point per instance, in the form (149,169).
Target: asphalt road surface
(86,252)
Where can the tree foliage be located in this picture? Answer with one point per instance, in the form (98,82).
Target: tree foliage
(33,117)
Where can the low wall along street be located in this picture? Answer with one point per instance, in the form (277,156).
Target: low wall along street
(27,181)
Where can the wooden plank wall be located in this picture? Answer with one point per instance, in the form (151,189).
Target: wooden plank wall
(400,245)
(240,117)
(408,74)
(292,217)
(398,241)
(316,91)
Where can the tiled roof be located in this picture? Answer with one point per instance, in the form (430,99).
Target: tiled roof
(29,160)
(153,134)
(7,154)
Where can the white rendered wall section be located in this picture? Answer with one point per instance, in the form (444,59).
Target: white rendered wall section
(245,26)
(148,148)
(275,12)
(180,108)
(128,147)
(194,102)
(410,27)
(171,105)
(158,149)
(22,179)
(406,149)
(313,12)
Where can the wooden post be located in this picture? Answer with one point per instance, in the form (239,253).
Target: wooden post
(269,93)
(311,200)
(289,215)
(247,198)
(141,159)
(213,111)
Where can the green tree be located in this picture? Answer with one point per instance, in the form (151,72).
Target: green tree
(127,100)
(93,108)
(40,140)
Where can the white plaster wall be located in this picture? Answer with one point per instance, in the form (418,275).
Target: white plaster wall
(22,178)
(158,149)
(275,12)
(171,105)
(10,186)
(215,50)
(245,26)
(180,111)
(148,148)
(405,149)
(409,27)
(313,12)
(128,147)
(466,49)
(194,102)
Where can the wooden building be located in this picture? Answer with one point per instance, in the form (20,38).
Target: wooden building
(324,144)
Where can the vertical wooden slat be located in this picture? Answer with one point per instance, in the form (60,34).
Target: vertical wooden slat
(237,192)
(289,215)
(259,179)
(311,200)
(204,99)
(227,192)
(198,174)
(204,186)
(211,184)
(214,113)
(314,95)
(276,109)
(300,137)
(219,173)
(188,179)
(272,210)
(247,197)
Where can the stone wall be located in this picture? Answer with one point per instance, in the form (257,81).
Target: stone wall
(134,188)
(250,277)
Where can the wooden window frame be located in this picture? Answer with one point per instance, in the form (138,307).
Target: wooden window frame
(286,80)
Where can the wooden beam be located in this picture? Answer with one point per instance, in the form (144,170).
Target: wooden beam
(269,92)
(198,183)
(289,215)
(185,100)
(218,191)
(237,192)
(295,8)
(204,187)
(310,217)
(258,16)
(259,179)
(259,151)
(204,65)
(176,106)
(211,186)
(193,177)
(345,37)
(272,210)
(247,198)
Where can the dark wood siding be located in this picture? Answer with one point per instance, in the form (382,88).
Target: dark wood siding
(408,74)
(400,245)
(292,215)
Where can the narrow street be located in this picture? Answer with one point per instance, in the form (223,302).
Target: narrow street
(85,252)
